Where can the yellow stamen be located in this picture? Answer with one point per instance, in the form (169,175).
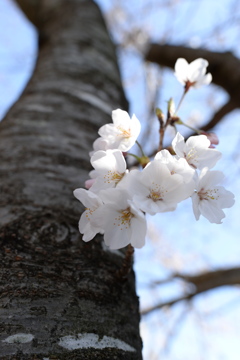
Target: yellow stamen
(124,133)
(156,192)
(113,176)
(155,196)
(124,219)
(208,195)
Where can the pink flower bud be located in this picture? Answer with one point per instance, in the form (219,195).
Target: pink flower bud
(89,183)
(212,137)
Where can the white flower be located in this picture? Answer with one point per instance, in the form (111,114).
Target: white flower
(99,144)
(122,221)
(156,190)
(178,166)
(196,151)
(87,224)
(193,74)
(209,199)
(122,134)
(110,167)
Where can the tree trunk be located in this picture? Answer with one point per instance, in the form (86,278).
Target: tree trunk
(61,298)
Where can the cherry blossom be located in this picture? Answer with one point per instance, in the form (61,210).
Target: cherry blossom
(117,198)
(87,224)
(156,190)
(122,134)
(209,198)
(193,74)
(178,166)
(99,144)
(122,221)
(110,167)
(196,151)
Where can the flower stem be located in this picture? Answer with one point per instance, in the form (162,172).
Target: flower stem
(192,128)
(140,147)
(180,102)
(135,156)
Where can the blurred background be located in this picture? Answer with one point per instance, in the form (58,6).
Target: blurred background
(185,314)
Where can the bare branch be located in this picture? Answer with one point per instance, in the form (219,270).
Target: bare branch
(167,303)
(217,117)
(203,282)
(38,11)
(212,279)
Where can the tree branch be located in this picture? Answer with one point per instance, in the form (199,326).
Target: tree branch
(202,282)
(39,11)
(217,117)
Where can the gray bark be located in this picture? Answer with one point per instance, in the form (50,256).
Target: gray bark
(53,285)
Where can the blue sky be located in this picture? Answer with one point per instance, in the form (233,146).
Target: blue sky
(176,241)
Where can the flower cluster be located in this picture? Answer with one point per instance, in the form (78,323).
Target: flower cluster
(118,199)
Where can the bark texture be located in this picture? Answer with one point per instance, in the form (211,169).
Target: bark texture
(54,286)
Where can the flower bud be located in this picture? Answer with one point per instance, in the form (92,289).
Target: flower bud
(171,108)
(89,183)
(144,160)
(212,137)
(160,115)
